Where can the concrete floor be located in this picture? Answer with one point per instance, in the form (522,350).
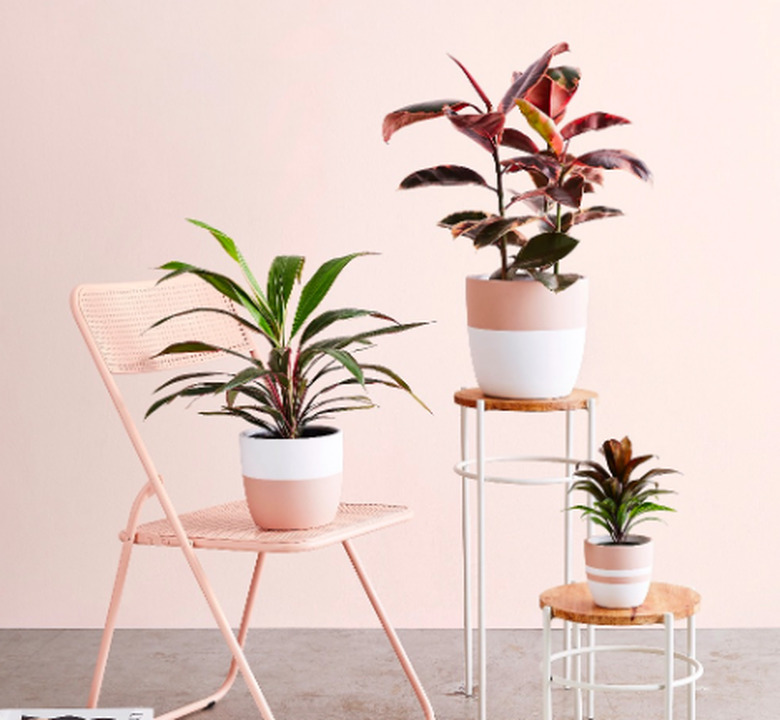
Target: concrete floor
(338,674)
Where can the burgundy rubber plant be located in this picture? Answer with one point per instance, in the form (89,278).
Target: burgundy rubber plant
(560,179)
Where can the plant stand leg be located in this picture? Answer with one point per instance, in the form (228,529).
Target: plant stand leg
(669,657)
(546,665)
(468,637)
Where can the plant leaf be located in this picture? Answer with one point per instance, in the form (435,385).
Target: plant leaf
(474,83)
(410,114)
(282,274)
(484,129)
(326,319)
(570,193)
(555,282)
(544,164)
(616,159)
(592,121)
(594,213)
(490,231)
(318,286)
(554,91)
(543,124)
(544,250)
(232,250)
(519,141)
(455,218)
(442,175)
(523,82)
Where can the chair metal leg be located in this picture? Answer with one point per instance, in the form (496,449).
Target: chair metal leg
(110,624)
(220,693)
(126,537)
(390,632)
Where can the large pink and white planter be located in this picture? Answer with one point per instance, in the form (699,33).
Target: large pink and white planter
(619,574)
(525,341)
(292,484)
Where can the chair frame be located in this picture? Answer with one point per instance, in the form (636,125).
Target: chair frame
(113,319)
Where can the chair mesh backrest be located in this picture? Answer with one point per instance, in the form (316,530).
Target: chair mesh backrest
(119,316)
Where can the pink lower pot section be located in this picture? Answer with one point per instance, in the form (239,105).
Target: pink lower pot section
(292,504)
(619,575)
(292,484)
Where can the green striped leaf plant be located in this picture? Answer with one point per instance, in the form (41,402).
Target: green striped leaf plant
(308,375)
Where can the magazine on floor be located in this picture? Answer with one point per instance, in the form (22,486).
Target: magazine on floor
(78,714)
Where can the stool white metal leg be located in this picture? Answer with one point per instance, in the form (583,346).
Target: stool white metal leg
(468,630)
(669,657)
(691,649)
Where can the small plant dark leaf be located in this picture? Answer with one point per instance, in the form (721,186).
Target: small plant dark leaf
(544,250)
(593,121)
(404,116)
(616,160)
(442,175)
(484,129)
(523,82)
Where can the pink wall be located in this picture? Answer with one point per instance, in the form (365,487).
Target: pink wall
(120,119)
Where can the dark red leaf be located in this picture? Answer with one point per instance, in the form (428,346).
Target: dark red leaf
(404,116)
(483,129)
(593,121)
(523,82)
(595,213)
(570,194)
(462,216)
(616,160)
(544,164)
(554,90)
(474,83)
(518,140)
(442,175)
(534,198)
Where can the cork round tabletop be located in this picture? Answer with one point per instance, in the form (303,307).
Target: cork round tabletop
(578,400)
(574,603)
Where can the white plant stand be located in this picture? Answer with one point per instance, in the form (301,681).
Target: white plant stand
(475,468)
(664,604)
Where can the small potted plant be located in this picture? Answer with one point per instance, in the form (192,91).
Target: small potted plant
(511,357)
(291,463)
(619,565)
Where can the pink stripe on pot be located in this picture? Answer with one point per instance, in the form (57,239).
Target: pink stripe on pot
(618,579)
(524,304)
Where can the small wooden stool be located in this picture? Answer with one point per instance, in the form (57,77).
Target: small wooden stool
(664,604)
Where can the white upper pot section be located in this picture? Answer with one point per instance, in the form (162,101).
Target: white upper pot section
(302,458)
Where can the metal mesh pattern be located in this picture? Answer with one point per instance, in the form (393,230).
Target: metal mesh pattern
(119,317)
(230,527)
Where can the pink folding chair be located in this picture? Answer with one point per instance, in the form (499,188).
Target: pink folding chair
(115,320)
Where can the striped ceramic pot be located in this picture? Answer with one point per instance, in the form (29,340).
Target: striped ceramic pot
(526,342)
(292,484)
(619,575)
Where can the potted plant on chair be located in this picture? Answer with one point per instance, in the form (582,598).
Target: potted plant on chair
(619,565)
(525,342)
(291,463)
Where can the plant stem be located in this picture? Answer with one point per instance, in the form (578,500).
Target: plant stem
(558,217)
(501,212)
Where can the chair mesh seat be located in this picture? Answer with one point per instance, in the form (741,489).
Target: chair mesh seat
(230,527)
